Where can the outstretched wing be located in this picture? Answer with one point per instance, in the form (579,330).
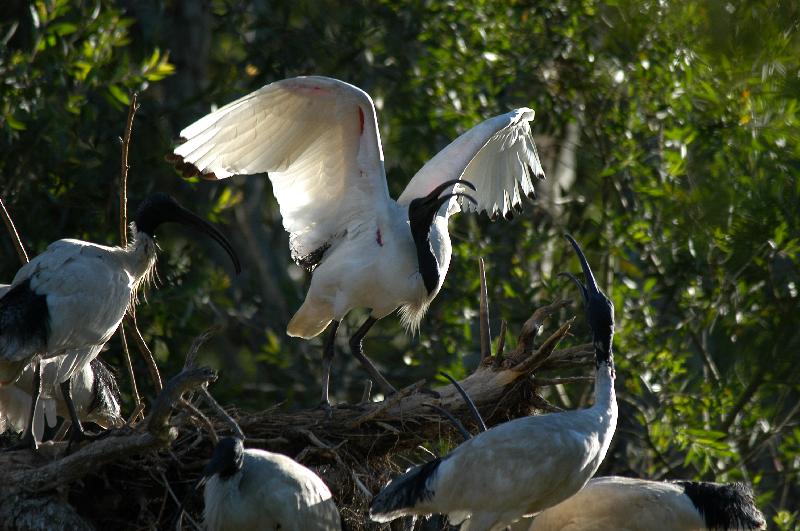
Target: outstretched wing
(498,156)
(318,139)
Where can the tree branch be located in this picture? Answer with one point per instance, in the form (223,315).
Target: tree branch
(12,231)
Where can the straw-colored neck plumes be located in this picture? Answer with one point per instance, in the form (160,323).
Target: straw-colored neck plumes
(141,259)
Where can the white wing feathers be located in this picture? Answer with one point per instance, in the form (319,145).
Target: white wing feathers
(318,139)
(498,156)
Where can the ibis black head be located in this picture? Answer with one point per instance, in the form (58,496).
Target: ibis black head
(599,309)
(161,208)
(226,459)
(422,210)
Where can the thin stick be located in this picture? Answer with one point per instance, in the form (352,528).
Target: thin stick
(486,333)
(387,403)
(123,172)
(202,418)
(155,375)
(123,236)
(12,230)
(501,345)
(541,382)
(222,413)
(139,407)
(465,434)
(191,355)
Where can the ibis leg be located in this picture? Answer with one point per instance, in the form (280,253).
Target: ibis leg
(328,353)
(358,351)
(77,434)
(66,390)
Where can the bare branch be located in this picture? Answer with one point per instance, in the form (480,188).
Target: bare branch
(144,350)
(123,172)
(199,341)
(539,357)
(388,403)
(501,344)
(137,400)
(175,388)
(219,410)
(486,333)
(12,231)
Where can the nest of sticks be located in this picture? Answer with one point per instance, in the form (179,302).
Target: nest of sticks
(136,477)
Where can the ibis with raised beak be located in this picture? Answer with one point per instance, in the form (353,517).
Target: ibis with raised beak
(522,466)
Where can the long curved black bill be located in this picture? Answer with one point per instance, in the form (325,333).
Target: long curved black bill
(590,288)
(577,283)
(445,198)
(193,220)
(447,184)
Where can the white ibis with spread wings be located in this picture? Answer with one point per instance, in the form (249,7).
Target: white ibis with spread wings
(318,139)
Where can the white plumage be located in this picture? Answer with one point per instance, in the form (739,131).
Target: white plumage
(523,466)
(86,288)
(69,300)
(627,504)
(95,396)
(259,490)
(318,138)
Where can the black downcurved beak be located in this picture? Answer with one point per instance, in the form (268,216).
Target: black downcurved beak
(447,184)
(191,219)
(445,198)
(599,308)
(161,208)
(590,288)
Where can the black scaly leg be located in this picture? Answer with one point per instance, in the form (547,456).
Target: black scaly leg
(358,351)
(328,353)
(77,434)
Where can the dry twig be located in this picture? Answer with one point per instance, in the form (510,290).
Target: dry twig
(486,333)
(12,231)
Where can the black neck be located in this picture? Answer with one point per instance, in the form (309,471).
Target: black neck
(428,267)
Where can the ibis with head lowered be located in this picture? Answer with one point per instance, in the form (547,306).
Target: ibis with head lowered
(256,489)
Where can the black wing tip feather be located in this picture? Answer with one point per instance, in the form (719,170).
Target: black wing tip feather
(187,169)
(24,314)
(724,505)
(406,491)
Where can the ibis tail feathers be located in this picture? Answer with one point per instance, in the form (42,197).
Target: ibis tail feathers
(405,493)
(725,506)
(310,320)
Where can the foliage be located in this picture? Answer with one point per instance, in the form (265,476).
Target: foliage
(685,192)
